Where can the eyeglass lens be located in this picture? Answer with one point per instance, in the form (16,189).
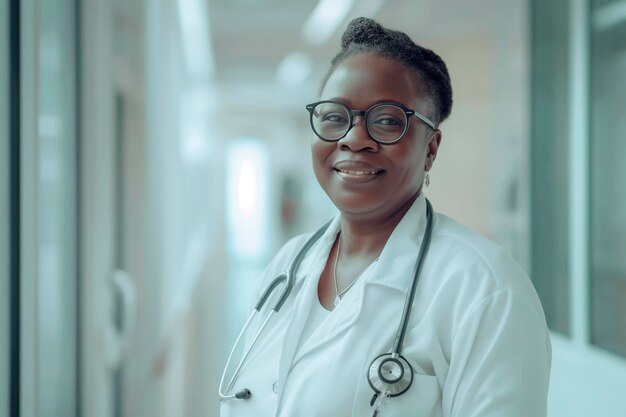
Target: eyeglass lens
(385,123)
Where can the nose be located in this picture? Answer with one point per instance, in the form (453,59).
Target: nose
(358,139)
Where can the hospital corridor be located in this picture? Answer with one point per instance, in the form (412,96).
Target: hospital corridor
(155,155)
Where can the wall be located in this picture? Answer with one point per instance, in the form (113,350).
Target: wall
(460,181)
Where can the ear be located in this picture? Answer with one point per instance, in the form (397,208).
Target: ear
(434,141)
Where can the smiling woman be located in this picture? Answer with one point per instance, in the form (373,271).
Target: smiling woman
(362,81)
(391,308)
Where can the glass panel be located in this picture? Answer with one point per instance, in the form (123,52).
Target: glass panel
(608,176)
(4,209)
(57,347)
(549,162)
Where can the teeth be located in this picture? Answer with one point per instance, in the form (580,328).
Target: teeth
(358,172)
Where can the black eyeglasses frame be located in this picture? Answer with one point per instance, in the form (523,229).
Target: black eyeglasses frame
(352,113)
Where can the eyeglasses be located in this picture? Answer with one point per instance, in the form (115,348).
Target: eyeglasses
(385,122)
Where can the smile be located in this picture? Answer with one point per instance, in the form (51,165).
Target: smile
(355,172)
(357,176)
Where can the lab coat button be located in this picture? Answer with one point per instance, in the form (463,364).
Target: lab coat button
(275,387)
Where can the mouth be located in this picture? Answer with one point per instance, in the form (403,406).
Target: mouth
(358,172)
(358,175)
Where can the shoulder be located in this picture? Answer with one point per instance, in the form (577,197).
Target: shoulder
(468,251)
(471,268)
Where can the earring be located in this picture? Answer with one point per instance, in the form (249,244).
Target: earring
(427,179)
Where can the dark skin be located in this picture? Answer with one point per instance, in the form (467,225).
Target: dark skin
(372,185)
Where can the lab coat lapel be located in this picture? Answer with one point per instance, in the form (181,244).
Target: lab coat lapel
(310,271)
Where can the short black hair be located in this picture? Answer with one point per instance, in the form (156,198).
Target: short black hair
(364,35)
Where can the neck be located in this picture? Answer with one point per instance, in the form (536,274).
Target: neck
(366,238)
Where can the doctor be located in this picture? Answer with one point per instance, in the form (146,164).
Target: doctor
(476,341)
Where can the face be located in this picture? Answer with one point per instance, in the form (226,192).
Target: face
(362,177)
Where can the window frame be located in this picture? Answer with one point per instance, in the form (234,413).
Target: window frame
(586,379)
(6,341)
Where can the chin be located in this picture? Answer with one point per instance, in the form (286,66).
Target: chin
(357,205)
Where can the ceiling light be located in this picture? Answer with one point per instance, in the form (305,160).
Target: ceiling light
(324,20)
(294,69)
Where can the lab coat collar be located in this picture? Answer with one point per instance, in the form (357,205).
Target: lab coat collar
(395,267)
(400,251)
(318,254)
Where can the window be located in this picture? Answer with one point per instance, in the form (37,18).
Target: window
(608,175)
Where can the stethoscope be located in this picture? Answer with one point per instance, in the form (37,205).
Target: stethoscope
(389,374)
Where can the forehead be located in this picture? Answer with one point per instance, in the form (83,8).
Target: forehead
(364,79)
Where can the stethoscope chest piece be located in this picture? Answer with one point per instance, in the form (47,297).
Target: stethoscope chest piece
(390,373)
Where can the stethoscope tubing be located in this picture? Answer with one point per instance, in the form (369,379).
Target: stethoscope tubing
(224,396)
(277,281)
(396,350)
(289,278)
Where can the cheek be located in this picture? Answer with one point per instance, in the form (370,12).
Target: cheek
(411,153)
(411,161)
(320,151)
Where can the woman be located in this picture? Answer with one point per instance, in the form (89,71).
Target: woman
(476,341)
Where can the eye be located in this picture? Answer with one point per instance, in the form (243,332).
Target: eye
(388,121)
(387,117)
(334,117)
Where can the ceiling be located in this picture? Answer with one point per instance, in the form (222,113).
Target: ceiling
(251,37)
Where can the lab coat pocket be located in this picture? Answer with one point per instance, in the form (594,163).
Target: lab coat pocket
(423,399)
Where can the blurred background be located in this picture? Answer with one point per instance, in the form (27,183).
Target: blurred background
(154,156)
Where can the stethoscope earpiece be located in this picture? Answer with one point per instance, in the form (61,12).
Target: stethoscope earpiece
(390,373)
(244,394)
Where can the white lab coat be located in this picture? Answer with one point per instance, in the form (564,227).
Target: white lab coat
(477,338)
